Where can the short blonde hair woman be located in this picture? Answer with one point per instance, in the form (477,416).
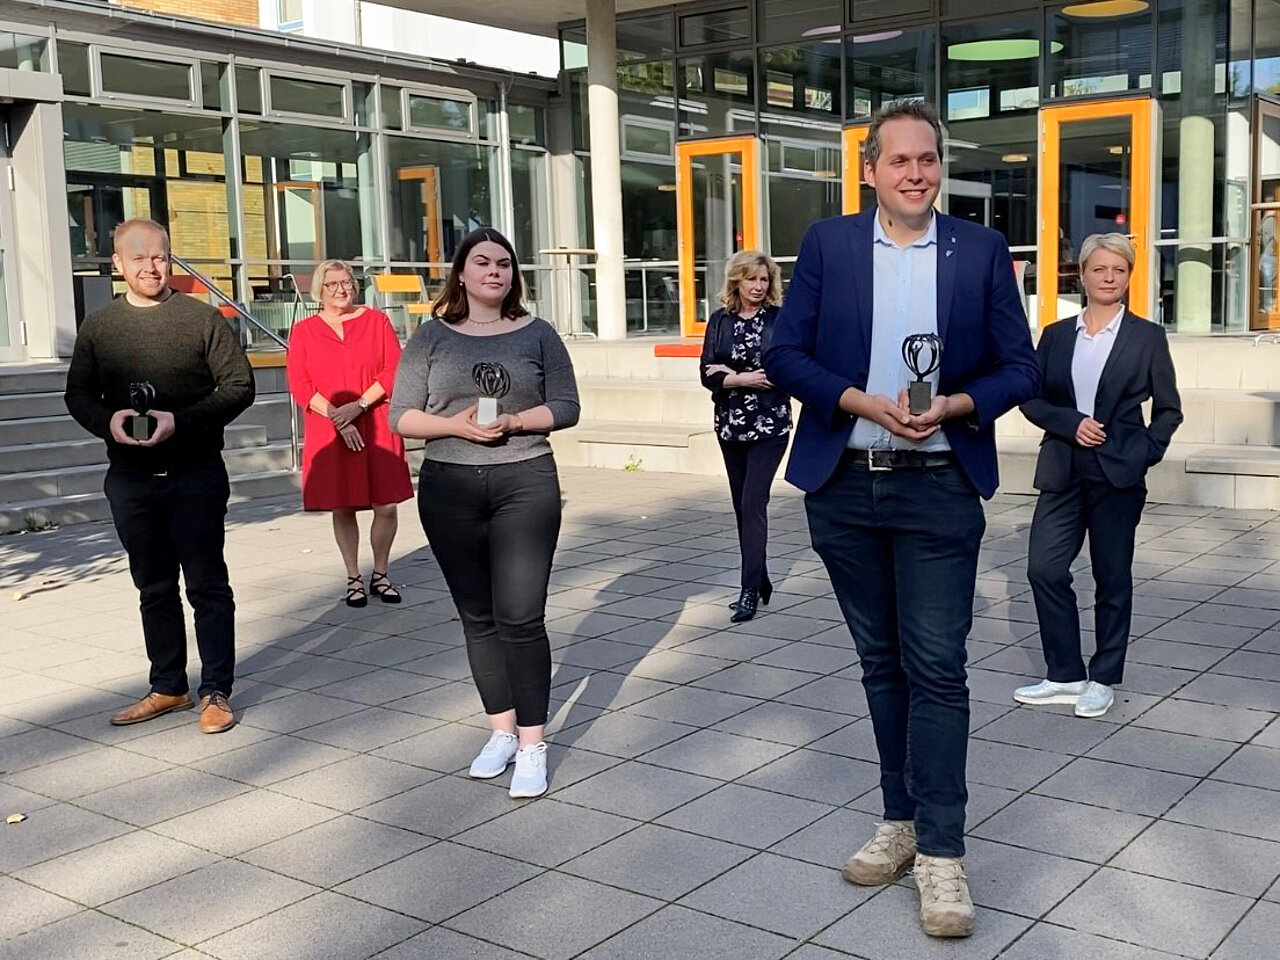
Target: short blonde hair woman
(342,365)
(742,265)
(1116,243)
(752,417)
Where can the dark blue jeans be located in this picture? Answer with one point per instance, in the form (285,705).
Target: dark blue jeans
(901,548)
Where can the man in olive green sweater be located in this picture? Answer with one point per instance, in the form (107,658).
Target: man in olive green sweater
(168,493)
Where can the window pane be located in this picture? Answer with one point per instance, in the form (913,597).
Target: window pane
(439,193)
(801,83)
(525,124)
(211,84)
(308,193)
(887,66)
(439,113)
(21,52)
(645,38)
(289,12)
(73,64)
(295,95)
(362,103)
(145,78)
(991,175)
(249,89)
(991,69)
(573,48)
(716,27)
(391,108)
(789,19)
(1096,54)
(717,94)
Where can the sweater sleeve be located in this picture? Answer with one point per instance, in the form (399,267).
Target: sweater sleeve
(560,387)
(233,376)
(410,387)
(84,387)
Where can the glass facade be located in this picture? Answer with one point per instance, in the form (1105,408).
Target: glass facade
(795,72)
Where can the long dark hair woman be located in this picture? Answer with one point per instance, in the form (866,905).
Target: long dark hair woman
(752,416)
(483,383)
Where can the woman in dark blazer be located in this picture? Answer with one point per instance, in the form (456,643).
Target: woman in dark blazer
(1096,373)
(752,417)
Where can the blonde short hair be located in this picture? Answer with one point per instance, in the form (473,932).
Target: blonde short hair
(740,266)
(1116,243)
(317,278)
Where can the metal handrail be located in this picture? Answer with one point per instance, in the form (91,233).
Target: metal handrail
(235,305)
(295,445)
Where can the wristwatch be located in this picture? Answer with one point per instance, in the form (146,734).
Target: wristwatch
(363,403)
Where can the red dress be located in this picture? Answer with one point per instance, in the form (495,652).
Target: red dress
(340,369)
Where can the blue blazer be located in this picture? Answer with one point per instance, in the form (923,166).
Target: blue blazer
(822,342)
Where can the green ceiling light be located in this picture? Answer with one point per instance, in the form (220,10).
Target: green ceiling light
(1101,9)
(1004,48)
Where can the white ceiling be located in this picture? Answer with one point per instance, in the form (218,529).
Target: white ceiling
(527,16)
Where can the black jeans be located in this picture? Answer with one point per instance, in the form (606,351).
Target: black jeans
(901,548)
(751,466)
(1109,515)
(493,531)
(170,522)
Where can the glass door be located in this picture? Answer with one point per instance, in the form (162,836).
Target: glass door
(717,214)
(1264,311)
(11,341)
(1095,177)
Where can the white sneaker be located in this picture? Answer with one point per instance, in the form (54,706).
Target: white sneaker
(530,778)
(1095,701)
(497,753)
(1046,691)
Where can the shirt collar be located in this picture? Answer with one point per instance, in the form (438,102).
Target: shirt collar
(929,238)
(1109,328)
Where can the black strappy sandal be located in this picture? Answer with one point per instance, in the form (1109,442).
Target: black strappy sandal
(356,597)
(380,586)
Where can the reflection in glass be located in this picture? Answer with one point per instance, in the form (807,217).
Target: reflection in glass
(145,78)
(717,222)
(1266,311)
(439,113)
(647,37)
(792,19)
(989,176)
(1099,54)
(991,68)
(717,94)
(296,95)
(887,66)
(21,52)
(715,27)
(440,192)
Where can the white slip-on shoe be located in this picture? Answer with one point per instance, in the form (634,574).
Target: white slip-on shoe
(1095,701)
(1046,691)
(496,755)
(530,778)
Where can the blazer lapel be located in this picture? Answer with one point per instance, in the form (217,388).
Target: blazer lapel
(1067,355)
(947,258)
(1124,337)
(862,258)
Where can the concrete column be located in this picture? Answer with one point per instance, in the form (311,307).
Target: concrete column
(606,168)
(1194,293)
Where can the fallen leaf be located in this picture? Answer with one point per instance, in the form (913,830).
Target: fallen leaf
(18,595)
(13,818)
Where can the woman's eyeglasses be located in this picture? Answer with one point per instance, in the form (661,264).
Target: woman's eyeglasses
(333,286)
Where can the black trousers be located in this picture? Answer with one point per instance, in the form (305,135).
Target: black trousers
(177,522)
(901,548)
(493,530)
(1109,515)
(751,466)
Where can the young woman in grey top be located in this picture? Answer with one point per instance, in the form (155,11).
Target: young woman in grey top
(488,494)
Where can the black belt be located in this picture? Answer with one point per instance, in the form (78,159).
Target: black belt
(886,459)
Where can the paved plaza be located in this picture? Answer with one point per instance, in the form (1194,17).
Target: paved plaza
(706,781)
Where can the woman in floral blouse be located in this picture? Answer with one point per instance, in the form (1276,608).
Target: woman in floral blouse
(752,417)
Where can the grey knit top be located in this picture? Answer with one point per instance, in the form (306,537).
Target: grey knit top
(437,374)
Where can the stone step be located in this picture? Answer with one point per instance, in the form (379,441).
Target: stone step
(679,402)
(20,406)
(27,378)
(271,412)
(85,507)
(666,448)
(85,450)
(73,481)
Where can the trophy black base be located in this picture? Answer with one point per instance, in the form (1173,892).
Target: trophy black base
(140,426)
(920,396)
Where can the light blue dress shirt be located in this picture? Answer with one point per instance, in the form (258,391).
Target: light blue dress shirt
(905,302)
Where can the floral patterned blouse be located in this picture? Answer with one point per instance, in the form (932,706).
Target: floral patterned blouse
(751,414)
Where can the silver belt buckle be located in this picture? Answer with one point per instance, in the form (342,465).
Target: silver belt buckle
(878,466)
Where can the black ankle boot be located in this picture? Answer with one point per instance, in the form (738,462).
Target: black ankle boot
(766,592)
(745,608)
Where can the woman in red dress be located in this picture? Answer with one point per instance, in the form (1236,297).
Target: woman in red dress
(342,365)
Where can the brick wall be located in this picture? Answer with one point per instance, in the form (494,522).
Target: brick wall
(241,12)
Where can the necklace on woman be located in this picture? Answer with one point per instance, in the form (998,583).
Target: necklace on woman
(484,322)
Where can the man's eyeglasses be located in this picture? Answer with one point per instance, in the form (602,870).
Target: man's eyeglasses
(333,286)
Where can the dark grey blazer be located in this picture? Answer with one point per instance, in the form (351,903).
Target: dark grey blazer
(1139,368)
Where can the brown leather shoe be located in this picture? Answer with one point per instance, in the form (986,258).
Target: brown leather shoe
(151,706)
(215,714)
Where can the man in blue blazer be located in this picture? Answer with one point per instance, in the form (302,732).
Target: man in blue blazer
(893,498)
